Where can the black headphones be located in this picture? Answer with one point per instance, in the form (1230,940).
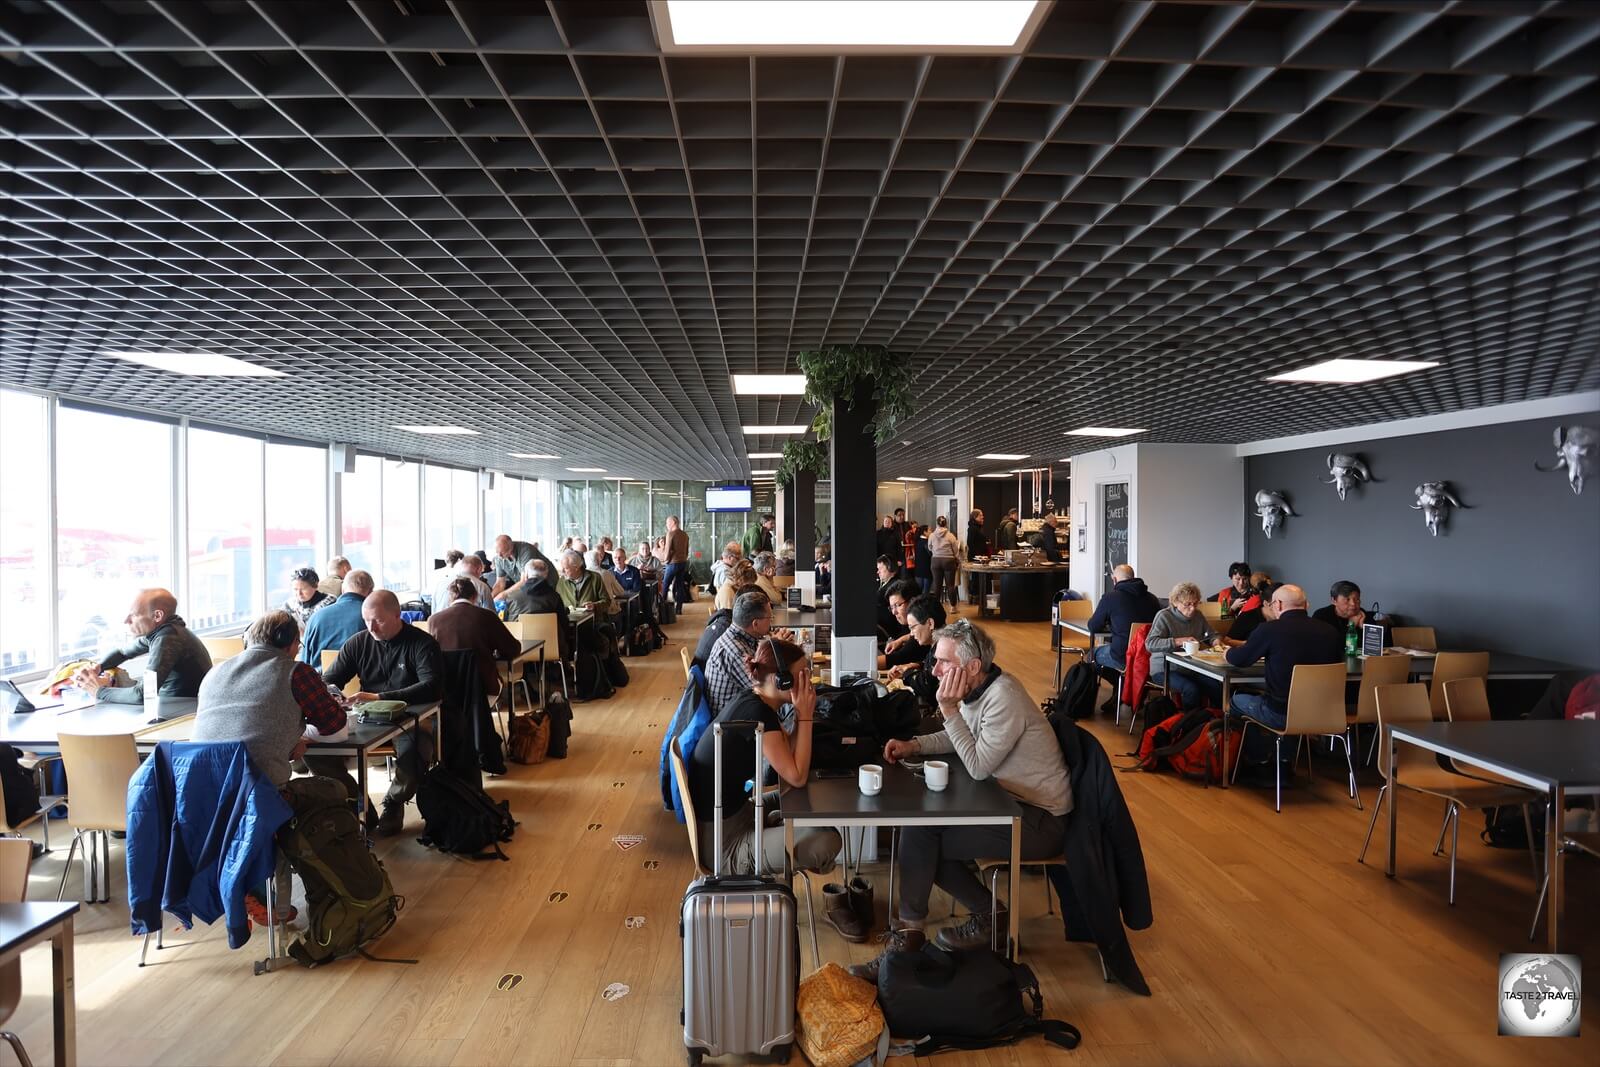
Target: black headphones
(784,677)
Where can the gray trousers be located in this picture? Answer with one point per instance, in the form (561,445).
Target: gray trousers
(413,751)
(939,855)
(815,848)
(944,579)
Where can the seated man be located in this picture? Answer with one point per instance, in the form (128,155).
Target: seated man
(176,656)
(464,625)
(510,559)
(888,573)
(1344,610)
(1292,637)
(1239,588)
(719,621)
(1179,621)
(535,594)
(994,728)
(617,597)
(335,624)
(626,573)
(724,564)
(727,665)
(333,582)
(898,649)
(394,661)
(468,566)
(766,565)
(1128,602)
(1245,623)
(581,589)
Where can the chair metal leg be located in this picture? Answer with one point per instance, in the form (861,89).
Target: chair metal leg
(1243,730)
(811,918)
(1538,907)
(1383,791)
(1349,764)
(1438,846)
(16,1046)
(1533,853)
(67,868)
(1455,829)
(1277,771)
(994,907)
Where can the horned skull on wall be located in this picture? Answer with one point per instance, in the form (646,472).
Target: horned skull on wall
(1271,507)
(1576,447)
(1434,500)
(1347,470)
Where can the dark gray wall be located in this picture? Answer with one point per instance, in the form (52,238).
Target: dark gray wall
(1518,570)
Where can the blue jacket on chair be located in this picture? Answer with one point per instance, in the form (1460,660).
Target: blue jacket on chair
(201,820)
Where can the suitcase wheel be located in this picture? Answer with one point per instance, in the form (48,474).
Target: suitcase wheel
(695,1056)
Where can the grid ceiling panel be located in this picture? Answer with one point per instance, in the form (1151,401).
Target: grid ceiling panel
(524,219)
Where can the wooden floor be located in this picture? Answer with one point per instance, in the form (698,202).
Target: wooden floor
(1271,944)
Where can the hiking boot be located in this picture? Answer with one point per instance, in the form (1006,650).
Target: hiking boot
(861,901)
(369,817)
(256,908)
(393,818)
(976,932)
(841,916)
(893,941)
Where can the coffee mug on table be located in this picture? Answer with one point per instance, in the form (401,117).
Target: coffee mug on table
(1190,646)
(936,772)
(870,779)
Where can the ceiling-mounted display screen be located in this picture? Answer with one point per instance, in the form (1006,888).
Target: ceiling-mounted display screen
(727,498)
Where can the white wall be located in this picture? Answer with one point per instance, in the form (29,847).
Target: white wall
(1188,517)
(1090,471)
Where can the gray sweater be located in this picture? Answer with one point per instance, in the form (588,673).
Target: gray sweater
(248,698)
(1167,629)
(1001,734)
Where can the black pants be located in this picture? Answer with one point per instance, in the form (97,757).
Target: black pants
(939,855)
(413,750)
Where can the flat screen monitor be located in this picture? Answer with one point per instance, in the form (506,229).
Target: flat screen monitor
(727,498)
(944,486)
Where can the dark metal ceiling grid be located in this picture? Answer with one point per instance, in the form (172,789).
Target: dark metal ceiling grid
(528,221)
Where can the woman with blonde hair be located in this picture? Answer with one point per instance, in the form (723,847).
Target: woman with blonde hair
(1181,620)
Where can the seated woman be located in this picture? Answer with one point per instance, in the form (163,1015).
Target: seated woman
(1258,611)
(741,573)
(1239,589)
(924,614)
(304,596)
(925,617)
(774,664)
(1179,621)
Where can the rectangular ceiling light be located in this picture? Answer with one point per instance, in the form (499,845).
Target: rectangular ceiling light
(587,470)
(765,455)
(835,26)
(1351,371)
(776,430)
(947,470)
(1102,431)
(1003,455)
(440,431)
(769,384)
(909,478)
(531,455)
(763,474)
(198,364)
(997,474)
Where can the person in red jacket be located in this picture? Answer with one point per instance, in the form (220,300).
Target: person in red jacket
(1240,588)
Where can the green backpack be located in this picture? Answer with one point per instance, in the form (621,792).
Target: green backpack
(350,902)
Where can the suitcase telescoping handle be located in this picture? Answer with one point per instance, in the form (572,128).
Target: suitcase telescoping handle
(761,777)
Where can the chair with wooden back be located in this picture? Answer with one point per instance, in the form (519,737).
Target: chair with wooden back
(329,655)
(223,648)
(16,856)
(1419,637)
(98,768)
(1467,700)
(688,660)
(1316,709)
(680,774)
(544,626)
(1400,705)
(1447,667)
(1211,610)
(1375,671)
(1074,611)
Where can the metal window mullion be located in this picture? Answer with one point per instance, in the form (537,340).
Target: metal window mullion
(178,536)
(335,506)
(259,600)
(422,551)
(52,529)
(377,527)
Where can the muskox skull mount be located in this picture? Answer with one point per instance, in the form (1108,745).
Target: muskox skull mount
(1576,447)
(1434,500)
(1271,506)
(1347,472)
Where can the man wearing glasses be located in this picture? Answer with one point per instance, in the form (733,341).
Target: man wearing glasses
(1290,637)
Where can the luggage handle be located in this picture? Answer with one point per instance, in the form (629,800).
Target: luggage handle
(761,775)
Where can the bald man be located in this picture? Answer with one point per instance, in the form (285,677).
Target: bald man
(176,656)
(395,661)
(1291,637)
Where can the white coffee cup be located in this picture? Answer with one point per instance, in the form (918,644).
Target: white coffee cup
(936,772)
(870,779)
(1190,646)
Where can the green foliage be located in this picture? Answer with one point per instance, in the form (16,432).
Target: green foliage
(802,456)
(833,373)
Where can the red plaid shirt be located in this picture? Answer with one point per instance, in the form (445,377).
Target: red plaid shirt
(316,703)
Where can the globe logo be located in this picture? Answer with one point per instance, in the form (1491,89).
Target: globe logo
(1540,996)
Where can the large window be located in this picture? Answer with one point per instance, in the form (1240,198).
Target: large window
(510,519)
(573,508)
(401,551)
(602,512)
(24,534)
(635,515)
(224,585)
(114,490)
(464,510)
(297,515)
(436,514)
(359,515)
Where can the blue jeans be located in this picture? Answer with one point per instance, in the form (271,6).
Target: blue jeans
(1104,657)
(1258,744)
(672,582)
(1192,690)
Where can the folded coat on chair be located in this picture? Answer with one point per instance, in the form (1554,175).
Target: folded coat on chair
(201,820)
(1103,885)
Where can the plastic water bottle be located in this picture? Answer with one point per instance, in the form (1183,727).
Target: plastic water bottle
(1352,640)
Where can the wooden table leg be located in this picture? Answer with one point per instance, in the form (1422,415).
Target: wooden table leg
(64,996)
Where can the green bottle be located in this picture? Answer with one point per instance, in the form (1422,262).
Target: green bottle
(1352,640)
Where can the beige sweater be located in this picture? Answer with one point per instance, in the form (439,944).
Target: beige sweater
(1003,735)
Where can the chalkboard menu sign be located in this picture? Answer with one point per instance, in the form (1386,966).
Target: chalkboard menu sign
(1371,639)
(1114,532)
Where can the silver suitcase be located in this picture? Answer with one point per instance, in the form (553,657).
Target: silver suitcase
(741,951)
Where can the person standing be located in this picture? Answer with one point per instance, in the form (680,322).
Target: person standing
(943,560)
(675,556)
(887,537)
(1005,538)
(977,545)
(338,570)
(758,538)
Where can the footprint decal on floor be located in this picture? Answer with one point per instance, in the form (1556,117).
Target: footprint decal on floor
(618,785)
(652,865)
(557,897)
(508,982)
(594,826)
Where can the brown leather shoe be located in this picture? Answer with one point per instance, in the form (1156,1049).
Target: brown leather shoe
(393,819)
(893,941)
(861,901)
(841,916)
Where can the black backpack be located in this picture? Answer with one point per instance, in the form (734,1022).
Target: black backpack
(21,795)
(1078,689)
(965,999)
(1504,827)
(560,713)
(616,670)
(592,679)
(458,816)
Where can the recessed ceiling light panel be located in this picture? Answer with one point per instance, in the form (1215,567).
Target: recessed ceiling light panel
(909,478)
(1352,371)
(1102,431)
(775,430)
(947,470)
(997,474)
(872,26)
(765,455)
(769,384)
(198,364)
(1004,455)
(587,470)
(531,455)
(440,431)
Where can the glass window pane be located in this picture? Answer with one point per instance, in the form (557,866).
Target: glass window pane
(491,509)
(24,534)
(112,539)
(698,524)
(635,515)
(401,568)
(573,500)
(224,542)
(359,518)
(297,515)
(436,515)
(602,512)
(663,502)
(511,512)
(464,510)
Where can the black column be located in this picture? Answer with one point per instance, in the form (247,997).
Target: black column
(786,515)
(801,519)
(853,463)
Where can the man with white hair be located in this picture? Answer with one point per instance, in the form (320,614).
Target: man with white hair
(994,728)
(333,578)
(766,570)
(598,563)
(1292,637)
(582,589)
(469,566)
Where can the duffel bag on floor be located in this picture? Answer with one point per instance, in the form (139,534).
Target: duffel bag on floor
(458,816)
(966,999)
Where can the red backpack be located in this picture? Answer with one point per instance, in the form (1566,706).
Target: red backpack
(1189,742)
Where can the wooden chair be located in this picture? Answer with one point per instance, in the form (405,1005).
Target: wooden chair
(546,627)
(1375,671)
(329,655)
(1466,700)
(781,581)
(688,661)
(1420,637)
(1122,676)
(16,856)
(1447,667)
(1402,704)
(223,648)
(992,869)
(8,828)
(1074,611)
(98,768)
(1316,709)
(1212,610)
